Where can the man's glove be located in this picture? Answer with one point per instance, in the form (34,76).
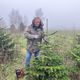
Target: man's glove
(36,36)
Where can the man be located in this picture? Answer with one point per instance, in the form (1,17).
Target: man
(34,34)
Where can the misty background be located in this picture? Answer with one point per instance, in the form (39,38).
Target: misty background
(61,14)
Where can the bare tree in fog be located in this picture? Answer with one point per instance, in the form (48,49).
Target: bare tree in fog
(25,20)
(39,13)
(23,24)
(15,18)
(22,27)
(2,23)
(12,28)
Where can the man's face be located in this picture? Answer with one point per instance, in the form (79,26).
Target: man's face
(37,22)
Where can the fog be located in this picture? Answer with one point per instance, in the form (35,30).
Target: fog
(62,14)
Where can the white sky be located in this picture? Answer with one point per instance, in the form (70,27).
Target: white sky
(61,13)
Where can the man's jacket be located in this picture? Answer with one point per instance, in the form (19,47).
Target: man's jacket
(32,42)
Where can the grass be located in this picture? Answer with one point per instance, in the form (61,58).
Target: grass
(64,40)
(7,71)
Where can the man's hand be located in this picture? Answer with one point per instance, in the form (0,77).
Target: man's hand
(36,36)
